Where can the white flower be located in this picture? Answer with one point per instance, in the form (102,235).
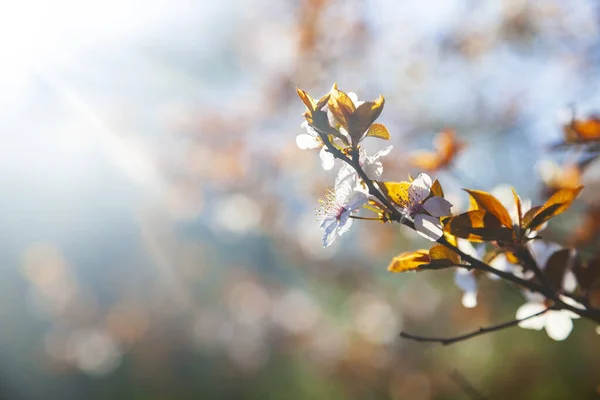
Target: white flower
(464,278)
(336,209)
(371,165)
(312,140)
(427,225)
(558,323)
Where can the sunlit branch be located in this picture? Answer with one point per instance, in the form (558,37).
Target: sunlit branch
(483,330)
(395,215)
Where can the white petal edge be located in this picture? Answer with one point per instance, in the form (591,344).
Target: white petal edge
(306,141)
(558,325)
(437,206)
(327,159)
(529,309)
(419,188)
(429,227)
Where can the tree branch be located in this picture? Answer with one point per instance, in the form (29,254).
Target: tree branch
(450,340)
(397,216)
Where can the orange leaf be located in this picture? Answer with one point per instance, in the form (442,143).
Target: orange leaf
(557,204)
(308,101)
(477,226)
(379,131)
(410,261)
(442,253)
(486,201)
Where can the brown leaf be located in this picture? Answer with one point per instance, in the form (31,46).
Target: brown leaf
(477,226)
(486,201)
(557,204)
(588,274)
(556,266)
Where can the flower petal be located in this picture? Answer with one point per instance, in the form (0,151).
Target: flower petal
(437,206)
(345,225)
(327,159)
(330,227)
(419,189)
(382,152)
(429,227)
(558,325)
(529,309)
(306,141)
(357,200)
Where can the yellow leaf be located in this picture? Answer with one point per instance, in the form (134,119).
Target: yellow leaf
(395,191)
(439,252)
(363,117)
(486,201)
(477,226)
(424,160)
(557,204)
(410,261)
(379,131)
(341,106)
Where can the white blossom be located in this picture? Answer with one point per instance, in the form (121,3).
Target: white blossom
(558,323)
(427,225)
(336,209)
(312,140)
(371,165)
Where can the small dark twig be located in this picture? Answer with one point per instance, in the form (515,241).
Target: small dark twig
(480,331)
(465,385)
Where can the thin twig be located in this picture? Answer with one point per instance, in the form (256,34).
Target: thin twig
(465,385)
(450,340)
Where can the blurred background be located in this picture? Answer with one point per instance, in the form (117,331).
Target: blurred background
(159,239)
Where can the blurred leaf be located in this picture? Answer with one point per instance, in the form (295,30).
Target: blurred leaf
(556,266)
(557,204)
(587,273)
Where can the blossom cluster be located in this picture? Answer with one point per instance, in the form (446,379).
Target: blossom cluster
(498,236)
